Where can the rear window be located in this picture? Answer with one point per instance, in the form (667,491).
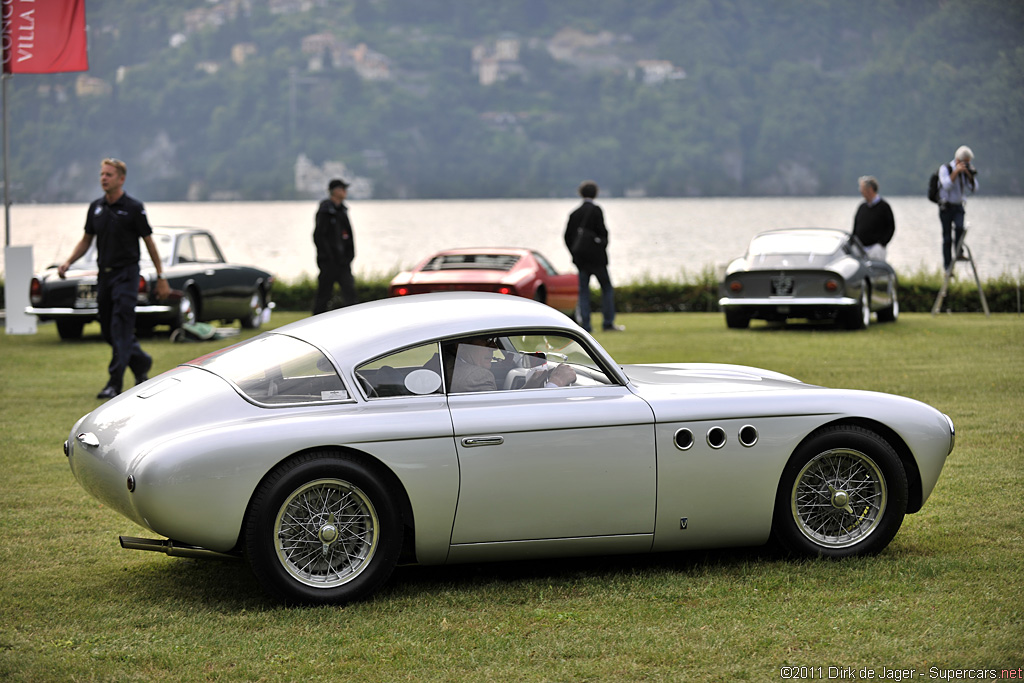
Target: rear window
(797,243)
(501,262)
(277,370)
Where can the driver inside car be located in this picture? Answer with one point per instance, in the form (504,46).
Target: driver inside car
(474,368)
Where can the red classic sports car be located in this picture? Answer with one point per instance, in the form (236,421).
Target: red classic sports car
(522,272)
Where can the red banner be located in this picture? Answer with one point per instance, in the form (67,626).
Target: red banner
(44,36)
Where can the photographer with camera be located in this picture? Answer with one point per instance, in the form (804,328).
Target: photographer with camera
(957,179)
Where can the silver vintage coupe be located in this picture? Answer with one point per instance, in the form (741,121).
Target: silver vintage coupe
(812,273)
(468,427)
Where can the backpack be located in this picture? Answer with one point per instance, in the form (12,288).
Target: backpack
(933,184)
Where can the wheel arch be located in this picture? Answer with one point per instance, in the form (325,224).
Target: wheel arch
(540,293)
(914,493)
(407,554)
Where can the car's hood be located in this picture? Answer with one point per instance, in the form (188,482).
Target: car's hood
(697,391)
(706,378)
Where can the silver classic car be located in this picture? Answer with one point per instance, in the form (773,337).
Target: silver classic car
(812,273)
(468,427)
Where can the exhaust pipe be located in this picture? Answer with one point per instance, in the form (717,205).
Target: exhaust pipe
(169,547)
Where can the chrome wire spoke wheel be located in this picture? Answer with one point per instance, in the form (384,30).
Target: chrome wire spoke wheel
(187,310)
(256,307)
(326,533)
(839,498)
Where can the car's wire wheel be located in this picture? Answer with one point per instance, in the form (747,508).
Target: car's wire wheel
(843,492)
(326,533)
(257,302)
(324,527)
(838,498)
(188,312)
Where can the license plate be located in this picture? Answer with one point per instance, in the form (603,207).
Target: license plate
(782,285)
(86,296)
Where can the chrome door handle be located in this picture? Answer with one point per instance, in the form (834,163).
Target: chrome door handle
(474,441)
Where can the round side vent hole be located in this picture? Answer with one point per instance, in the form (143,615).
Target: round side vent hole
(716,437)
(748,435)
(684,439)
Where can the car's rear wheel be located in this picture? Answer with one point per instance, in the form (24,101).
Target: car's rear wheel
(257,302)
(859,317)
(323,529)
(843,493)
(736,320)
(70,329)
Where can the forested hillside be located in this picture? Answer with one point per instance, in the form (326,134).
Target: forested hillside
(524,98)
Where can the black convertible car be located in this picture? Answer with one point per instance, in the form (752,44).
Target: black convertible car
(204,287)
(811,273)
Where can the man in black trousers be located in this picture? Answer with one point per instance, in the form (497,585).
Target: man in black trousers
(587,240)
(118,221)
(335,248)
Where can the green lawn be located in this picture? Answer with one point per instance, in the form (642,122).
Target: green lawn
(947,593)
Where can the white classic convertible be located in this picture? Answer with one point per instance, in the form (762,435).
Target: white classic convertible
(447,428)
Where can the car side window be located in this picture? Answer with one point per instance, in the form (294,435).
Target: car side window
(410,372)
(204,250)
(520,361)
(276,370)
(186,254)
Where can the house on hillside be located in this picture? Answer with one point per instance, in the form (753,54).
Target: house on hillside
(498,60)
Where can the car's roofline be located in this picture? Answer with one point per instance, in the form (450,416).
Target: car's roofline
(776,231)
(365,331)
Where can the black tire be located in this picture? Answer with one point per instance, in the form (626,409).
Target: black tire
(70,329)
(890,313)
(860,317)
(257,302)
(736,320)
(541,295)
(842,494)
(323,528)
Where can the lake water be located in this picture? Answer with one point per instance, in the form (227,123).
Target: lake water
(657,238)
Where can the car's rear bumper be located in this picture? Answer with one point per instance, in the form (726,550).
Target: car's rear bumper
(46,313)
(775,301)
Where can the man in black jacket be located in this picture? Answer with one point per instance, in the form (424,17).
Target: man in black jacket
(587,239)
(873,224)
(335,248)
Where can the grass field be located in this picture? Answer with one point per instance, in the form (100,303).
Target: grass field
(948,592)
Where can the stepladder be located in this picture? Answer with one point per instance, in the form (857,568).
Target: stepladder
(962,254)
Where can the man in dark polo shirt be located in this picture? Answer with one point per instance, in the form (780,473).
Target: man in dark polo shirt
(118,222)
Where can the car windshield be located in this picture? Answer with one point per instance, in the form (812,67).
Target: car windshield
(163,246)
(796,243)
(274,369)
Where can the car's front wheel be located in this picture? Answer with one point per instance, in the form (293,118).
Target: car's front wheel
(860,317)
(843,493)
(890,313)
(254,318)
(188,310)
(323,528)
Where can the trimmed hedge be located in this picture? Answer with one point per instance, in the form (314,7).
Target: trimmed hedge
(917,293)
